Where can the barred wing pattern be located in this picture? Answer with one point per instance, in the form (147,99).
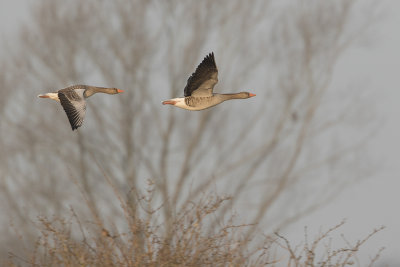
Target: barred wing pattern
(74,106)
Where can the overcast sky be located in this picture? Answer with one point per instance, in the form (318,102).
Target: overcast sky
(370,203)
(375,201)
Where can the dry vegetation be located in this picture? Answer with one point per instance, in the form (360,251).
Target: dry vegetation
(290,148)
(93,241)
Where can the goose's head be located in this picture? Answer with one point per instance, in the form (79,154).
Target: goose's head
(117,91)
(246,95)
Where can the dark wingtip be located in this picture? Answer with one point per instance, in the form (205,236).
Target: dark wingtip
(209,59)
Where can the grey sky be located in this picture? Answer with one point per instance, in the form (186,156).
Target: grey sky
(370,203)
(375,201)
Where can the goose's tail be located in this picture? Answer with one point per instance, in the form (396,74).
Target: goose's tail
(53,96)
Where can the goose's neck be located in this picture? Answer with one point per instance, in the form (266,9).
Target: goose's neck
(232,96)
(91,90)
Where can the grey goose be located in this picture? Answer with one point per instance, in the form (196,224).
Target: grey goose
(199,88)
(73,100)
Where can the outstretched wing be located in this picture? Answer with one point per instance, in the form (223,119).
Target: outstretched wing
(203,80)
(74,105)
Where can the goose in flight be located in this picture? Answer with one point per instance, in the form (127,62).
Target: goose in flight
(199,88)
(73,100)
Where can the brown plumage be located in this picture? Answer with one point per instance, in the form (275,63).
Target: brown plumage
(73,101)
(198,91)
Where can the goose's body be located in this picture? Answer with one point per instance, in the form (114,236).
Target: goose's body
(73,100)
(199,88)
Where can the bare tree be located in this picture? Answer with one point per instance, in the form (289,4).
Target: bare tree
(279,155)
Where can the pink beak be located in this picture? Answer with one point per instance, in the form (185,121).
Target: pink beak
(169,102)
(120,91)
(251,95)
(43,96)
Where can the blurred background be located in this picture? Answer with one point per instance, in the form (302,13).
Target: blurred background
(318,144)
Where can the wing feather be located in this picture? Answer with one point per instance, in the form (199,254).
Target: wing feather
(74,106)
(203,80)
